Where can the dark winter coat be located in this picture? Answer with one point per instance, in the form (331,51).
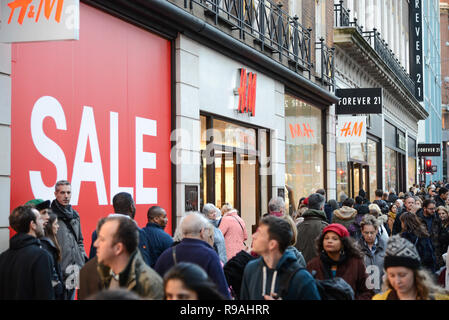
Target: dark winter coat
(425,249)
(351,269)
(233,270)
(70,239)
(25,270)
(158,241)
(439,202)
(57,281)
(301,286)
(199,252)
(308,231)
(382,205)
(435,231)
(444,238)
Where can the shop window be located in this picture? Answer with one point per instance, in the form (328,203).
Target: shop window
(304,148)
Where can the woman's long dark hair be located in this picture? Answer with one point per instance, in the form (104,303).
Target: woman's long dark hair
(194,278)
(49,233)
(350,247)
(413,225)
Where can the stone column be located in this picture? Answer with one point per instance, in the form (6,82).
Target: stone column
(5,143)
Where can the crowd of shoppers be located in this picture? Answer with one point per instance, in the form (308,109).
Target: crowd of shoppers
(392,248)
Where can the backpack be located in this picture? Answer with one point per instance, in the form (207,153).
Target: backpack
(329,289)
(335,288)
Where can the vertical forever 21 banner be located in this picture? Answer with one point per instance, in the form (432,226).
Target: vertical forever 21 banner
(416,51)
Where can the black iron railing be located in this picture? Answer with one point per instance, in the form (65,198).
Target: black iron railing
(264,21)
(381,47)
(373,37)
(325,62)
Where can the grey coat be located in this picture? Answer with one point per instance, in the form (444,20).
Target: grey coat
(70,239)
(374,262)
(219,244)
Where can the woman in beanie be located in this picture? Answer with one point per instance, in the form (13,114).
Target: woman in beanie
(340,257)
(405,279)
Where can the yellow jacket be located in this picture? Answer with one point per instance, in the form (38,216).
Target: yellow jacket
(384,296)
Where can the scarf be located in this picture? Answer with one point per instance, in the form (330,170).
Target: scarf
(66,213)
(328,262)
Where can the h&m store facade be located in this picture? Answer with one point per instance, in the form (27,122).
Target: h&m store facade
(136,106)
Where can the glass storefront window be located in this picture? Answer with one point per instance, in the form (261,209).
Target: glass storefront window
(391,169)
(357,151)
(232,135)
(372,162)
(304,148)
(411,172)
(342,169)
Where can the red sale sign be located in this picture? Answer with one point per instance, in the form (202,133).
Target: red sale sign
(96,112)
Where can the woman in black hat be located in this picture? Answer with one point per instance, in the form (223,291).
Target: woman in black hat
(405,279)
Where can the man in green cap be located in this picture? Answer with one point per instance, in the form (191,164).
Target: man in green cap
(42,206)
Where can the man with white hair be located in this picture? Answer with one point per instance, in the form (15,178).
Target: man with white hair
(210,212)
(195,247)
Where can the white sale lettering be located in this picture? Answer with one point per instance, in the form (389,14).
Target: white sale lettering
(89,171)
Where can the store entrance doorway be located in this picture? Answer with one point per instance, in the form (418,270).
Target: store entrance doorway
(358,178)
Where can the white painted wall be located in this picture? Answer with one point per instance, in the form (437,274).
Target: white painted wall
(5,143)
(205,81)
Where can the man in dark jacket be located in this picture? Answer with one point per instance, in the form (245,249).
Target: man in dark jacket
(69,237)
(196,230)
(158,239)
(381,203)
(276,274)
(409,206)
(433,225)
(123,203)
(120,263)
(314,222)
(26,268)
(440,199)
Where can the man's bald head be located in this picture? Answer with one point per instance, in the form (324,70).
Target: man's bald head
(193,224)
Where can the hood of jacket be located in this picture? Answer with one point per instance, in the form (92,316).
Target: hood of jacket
(313,213)
(345,213)
(22,240)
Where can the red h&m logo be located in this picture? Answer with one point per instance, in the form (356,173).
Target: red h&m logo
(247,92)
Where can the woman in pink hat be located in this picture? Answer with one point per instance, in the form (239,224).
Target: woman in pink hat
(338,256)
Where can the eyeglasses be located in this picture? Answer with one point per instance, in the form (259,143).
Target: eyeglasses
(371,233)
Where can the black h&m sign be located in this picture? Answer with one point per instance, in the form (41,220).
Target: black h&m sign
(359,101)
(416,52)
(429,149)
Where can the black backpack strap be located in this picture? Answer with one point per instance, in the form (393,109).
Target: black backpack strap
(286,279)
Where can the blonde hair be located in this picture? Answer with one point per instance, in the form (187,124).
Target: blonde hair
(424,284)
(293,227)
(374,210)
(226,208)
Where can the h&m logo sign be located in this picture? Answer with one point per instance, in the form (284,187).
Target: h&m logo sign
(247,92)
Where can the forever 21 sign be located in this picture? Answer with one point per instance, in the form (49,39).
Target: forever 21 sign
(359,101)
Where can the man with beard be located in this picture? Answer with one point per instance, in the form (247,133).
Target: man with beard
(69,237)
(26,268)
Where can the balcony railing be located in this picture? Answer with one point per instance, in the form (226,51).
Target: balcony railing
(377,43)
(387,55)
(266,23)
(325,63)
